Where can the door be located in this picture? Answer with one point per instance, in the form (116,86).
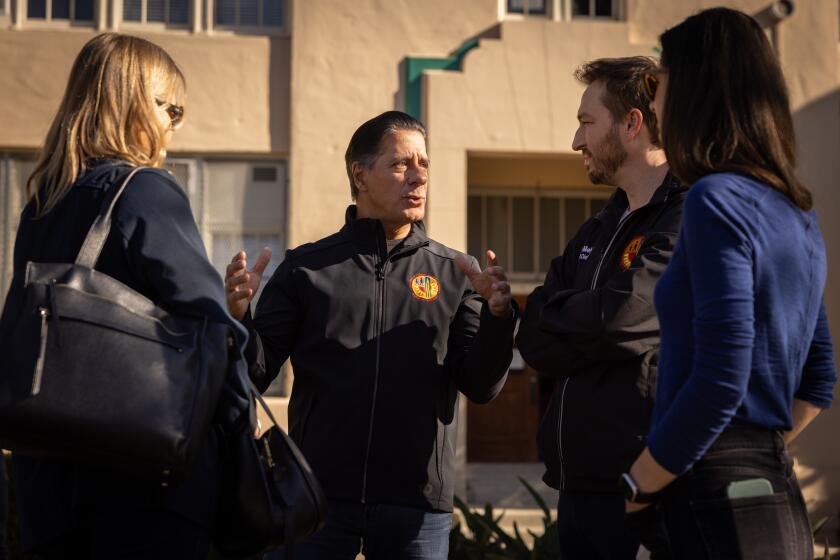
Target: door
(505,430)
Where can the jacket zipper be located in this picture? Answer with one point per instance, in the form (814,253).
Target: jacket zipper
(39,365)
(609,246)
(560,435)
(379,304)
(568,379)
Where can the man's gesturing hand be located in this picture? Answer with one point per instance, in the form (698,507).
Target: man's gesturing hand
(490,283)
(241,284)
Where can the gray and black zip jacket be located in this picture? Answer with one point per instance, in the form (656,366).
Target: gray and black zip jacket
(381,344)
(593,327)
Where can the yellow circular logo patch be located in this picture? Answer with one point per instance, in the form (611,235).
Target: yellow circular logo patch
(630,252)
(424,286)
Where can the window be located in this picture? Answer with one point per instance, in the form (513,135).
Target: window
(170,12)
(250,13)
(60,10)
(527,7)
(246,210)
(238,204)
(527,230)
(14,172)
(594,8)
(225,245)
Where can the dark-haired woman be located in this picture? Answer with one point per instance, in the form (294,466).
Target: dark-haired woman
(747,359)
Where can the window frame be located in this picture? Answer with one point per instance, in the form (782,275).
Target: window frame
(193,16)
(535,194)
(97,22)
(546,12)
(281,30)
(561,10)
(616,11)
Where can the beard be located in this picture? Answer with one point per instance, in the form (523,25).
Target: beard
(609,157)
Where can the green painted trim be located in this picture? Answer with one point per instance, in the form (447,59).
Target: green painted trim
(415,66)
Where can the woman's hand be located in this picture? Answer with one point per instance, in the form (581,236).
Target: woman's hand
(649,477)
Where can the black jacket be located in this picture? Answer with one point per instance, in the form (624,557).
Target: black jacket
(155,248)
(381,344)
(593,326)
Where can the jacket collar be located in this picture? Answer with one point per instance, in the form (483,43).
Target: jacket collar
(101,172)
(617,203)
(366,230)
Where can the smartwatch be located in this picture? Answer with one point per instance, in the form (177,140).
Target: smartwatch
(632,493)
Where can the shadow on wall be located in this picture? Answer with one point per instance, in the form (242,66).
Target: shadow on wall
(279,94)
(817,126)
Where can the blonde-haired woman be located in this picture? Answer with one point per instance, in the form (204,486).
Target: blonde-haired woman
(124,100)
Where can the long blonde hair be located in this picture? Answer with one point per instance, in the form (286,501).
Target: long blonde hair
(108,111)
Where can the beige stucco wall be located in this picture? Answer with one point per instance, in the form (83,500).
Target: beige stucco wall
(527,170)
(238,88)
(346,69)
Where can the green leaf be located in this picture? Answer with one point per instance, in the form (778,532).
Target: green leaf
(819,525)
(537,498)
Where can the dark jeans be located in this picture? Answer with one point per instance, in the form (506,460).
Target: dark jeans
(703,523)
(133,535)
(380,532)
(592,526)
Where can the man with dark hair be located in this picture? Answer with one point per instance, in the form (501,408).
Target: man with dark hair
(592,325)
(384,327)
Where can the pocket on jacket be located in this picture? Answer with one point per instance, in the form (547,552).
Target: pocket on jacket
(759,527)
(298,431)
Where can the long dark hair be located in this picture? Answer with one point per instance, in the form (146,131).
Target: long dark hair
(726,106)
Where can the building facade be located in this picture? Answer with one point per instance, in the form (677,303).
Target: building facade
(276,88)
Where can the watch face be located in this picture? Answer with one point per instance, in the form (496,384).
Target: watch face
(628,487)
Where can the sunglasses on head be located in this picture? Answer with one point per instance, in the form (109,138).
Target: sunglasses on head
(175,112)
(651,83)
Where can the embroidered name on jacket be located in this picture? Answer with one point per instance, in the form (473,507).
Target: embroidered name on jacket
(631,251)
(585,252)
(424,287)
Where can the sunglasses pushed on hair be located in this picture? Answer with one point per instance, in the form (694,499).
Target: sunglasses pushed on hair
(650,82)
(175,112)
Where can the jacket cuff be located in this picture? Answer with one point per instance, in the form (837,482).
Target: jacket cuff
(487,315)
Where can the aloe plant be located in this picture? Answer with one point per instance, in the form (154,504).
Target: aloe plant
(488,541)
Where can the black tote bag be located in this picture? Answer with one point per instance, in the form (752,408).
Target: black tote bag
(95,372)
(269,495)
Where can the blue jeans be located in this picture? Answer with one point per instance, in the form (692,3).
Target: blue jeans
(379,531)
(703,523)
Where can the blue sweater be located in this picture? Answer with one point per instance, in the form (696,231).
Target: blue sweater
(744,331)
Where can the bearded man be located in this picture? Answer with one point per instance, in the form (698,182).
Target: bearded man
(592,325)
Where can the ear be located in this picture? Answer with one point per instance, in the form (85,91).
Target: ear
(359,172)
(634,123)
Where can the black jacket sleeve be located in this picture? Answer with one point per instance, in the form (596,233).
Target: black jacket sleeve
(274,327)
(480,348)
(548,352)
(617,320)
